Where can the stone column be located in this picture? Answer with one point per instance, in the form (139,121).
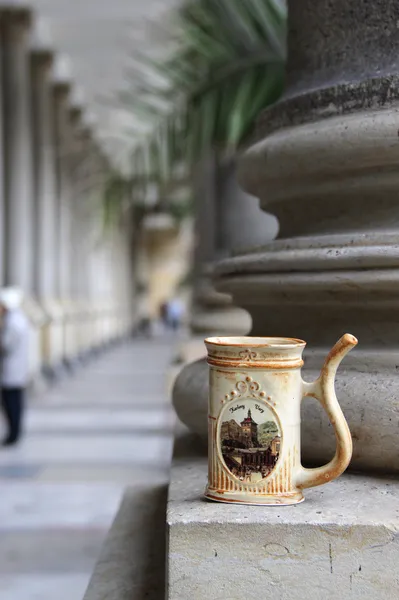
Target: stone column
(141,270)
(100,293)
(46,207)
(19,266)
(241,224)
(211,312)
(325,165)
(120,280)
(80,167)
(96,275)
(79,224)
(2,170)
(123,292)
(75,158)
(226,219)
(61,92)
(20,255)
(45,174)
(63,260)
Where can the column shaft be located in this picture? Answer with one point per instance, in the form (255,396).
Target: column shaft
(2,169)
(325,164)
(18,150)
(63,148)
(228,219)
(46,209)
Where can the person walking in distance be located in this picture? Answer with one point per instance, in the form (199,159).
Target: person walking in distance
(174,313)
(14,356)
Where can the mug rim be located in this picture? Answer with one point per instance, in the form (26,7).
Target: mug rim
(255,342)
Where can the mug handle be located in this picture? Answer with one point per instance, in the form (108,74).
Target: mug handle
(323,390)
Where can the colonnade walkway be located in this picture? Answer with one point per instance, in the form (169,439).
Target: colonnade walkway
(106,427)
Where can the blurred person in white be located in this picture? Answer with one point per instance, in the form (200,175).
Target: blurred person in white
(14,357)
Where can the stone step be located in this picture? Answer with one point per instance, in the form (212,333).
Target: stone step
(138,421)
(132,561)
(342,542)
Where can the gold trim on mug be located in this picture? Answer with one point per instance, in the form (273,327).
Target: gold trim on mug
(269,364)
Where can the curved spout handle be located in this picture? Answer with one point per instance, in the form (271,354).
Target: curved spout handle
(323,389)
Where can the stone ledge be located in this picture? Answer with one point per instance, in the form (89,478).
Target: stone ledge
(132,561)
(342,542)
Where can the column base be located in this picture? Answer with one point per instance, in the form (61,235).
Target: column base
(213,313)
(52,338)
(37,319)
(367,388)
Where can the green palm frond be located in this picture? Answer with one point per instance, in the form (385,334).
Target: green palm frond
(116,192)
(227,63)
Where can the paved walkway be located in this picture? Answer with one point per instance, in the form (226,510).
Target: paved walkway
(108,426)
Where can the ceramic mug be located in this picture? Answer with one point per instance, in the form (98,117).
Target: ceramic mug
(256,390)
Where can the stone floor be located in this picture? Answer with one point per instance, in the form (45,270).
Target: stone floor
(108,426)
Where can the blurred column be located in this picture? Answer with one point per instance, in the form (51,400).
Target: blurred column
(2,169)
(108,290)
(96,299)
(44,171)
(46,202)
(226,218)
(89,214)
(212,312)
(141,269)
(20,255)
(79,227)
(62,135)
(124,285)
(96,275)
(19,189)
(62,254)
(116,240)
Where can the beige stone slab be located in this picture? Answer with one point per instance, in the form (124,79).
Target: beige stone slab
(342,542)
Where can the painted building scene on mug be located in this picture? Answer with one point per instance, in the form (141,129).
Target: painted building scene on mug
(250,439)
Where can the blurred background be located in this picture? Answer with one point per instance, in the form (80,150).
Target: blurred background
(120,127)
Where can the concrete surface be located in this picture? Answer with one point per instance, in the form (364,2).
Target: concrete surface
(107,427)
(132,562)
(342,542)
